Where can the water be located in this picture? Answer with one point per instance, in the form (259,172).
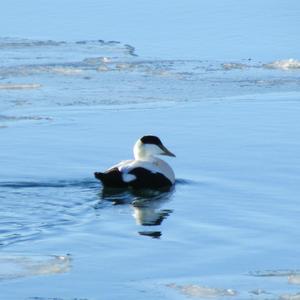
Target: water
(74,101)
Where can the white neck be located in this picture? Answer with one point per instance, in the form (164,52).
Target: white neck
(141,152)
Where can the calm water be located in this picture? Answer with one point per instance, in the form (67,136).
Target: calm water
(74,101)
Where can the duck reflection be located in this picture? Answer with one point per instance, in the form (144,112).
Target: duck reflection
(148,213)
(146,205)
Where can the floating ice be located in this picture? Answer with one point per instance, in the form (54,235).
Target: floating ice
(22,118)
(8,42)
(273,273)
(285,64)
(66,70)
(258,291)
(198,291)
(290,297)
(233,66)
(19,86)
(294,279)
(12,267)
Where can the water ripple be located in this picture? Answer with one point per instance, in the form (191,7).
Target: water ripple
(87,183)
(33,209)
(146,206)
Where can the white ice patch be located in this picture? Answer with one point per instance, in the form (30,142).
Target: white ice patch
(198,291)
(294,279)
(12,267)
(19,86)
(275,273)
(66,70)
(234,66)
(285,64)
(290,297)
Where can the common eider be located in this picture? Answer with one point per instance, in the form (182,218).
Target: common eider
(144,171)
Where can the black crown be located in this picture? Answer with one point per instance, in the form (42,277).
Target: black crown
(151,139)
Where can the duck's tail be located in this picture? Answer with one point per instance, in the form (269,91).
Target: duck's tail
(100,176)
(113,178)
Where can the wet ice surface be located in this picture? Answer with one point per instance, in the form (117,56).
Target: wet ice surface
(18,266)
(228,230)
(91,69)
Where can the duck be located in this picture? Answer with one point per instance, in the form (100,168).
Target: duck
(145,171)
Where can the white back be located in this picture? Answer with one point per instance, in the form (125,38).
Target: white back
(155,165)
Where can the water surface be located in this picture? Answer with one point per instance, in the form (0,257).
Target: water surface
(72,104)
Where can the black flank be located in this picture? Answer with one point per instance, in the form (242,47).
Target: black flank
(147,179)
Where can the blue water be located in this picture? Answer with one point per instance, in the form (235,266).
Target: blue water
(80,83)
(165,29)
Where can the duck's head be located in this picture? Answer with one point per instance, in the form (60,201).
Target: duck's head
(149,146)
